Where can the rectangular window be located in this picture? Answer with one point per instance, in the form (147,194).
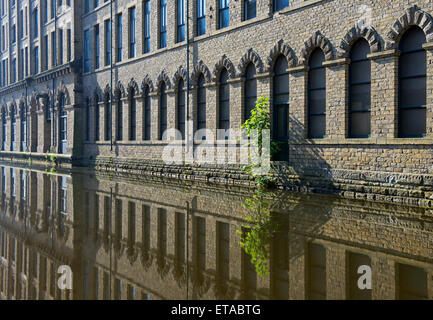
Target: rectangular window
(146,25)
(14,34)
(280,4)
(53,8)
(356,260)
(36,60)
(45,53)
(53,49)
(132,44)
(14,70)
(69,44)
(249,9)
(21,65)
(412,283)
(27,61)
(86,6)
(180,20)
(163,24)
(60,46)
(20,25)
(316,276)
(119,38)
(96,45)
(223,14)
(107,28)
(201,17)
(35,23)
(86,51)
(45,8)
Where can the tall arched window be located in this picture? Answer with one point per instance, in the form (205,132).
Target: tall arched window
(4,130)
(62,124)
(162,111)
(359,90)
(119,119)
(201,103)
(250,90)
(181,108)
(317,95)
(412,84)
(107,118)
(147,120)
(13,130)
(224,101)
(281,106)
(23,128)
(132,116)
(97,117)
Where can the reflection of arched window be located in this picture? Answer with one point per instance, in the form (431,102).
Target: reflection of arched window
(119,118)
(250,92)
(359,90)
(132,116)
(201,103)
(62,123)
(412,84)
(147,120)
(281,106)
(88,120)
(181,108)
(224,101)
(162,111)
(317,95)
(97,116)
(107,119)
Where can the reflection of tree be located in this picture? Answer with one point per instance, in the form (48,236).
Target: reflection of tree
(257,236)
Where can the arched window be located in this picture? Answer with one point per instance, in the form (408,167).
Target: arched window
(147,120)
(250,90)
(359,90)
(181,108)
(119,118)
(62,124)
(107,118)
(317,95)
(412,84)
(281,106)
(87,120)
(132,117)
(162,111)
(224,101)
(201,103)
(23,128)
(13,130)
(97,116)
(4,130)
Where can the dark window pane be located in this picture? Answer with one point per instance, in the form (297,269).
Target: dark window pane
(413,39)
(413,64)
(360,72)
(413,92)
(317,126)
(412,122)
(360,97)
(317,101)
(360,124)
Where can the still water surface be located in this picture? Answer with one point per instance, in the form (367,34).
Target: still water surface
(146,238)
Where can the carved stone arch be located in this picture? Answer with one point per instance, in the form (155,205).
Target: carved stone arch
(224,62)
(250,56)
(179,74)
(119,90)
(4,110)
(200,68)
(317,40)
(163,77)
(147,81)
(97,95)
(412,16)
(107,93)
(62,90)
(365,32)
(281,48)
(132,87)
(13,108)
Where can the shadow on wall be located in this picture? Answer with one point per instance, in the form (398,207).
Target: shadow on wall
(306,169)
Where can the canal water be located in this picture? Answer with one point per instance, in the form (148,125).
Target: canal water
(92,235)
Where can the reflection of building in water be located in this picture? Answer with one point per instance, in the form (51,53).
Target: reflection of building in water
(130,240)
